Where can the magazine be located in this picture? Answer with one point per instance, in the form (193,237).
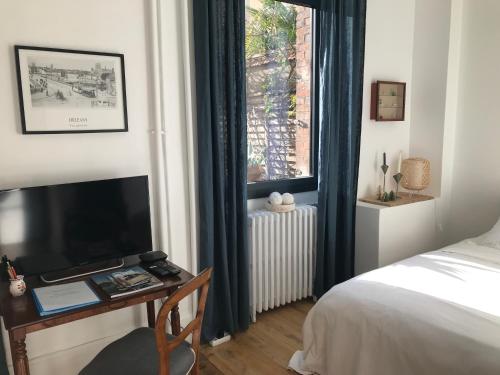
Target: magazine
(126,281)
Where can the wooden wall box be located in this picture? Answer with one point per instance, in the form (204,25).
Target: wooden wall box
(388,101)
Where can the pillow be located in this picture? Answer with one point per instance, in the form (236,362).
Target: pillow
(491,238)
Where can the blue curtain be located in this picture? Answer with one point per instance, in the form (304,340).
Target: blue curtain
(222,162)
(341,59)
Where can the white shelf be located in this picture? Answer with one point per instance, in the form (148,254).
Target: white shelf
(385,235)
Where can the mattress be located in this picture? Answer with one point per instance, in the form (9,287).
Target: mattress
(435,313)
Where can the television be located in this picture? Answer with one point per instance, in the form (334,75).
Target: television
(59,227)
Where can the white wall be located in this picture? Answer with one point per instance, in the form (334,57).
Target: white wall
(430,65)
(176,62)
(475,187)
(470,175)
(406,41)
(43,159)
(110,26)
(388,56)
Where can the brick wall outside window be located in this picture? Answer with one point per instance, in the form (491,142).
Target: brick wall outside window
(277,132)
(303,57)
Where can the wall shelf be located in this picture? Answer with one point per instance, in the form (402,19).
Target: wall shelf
(403,198)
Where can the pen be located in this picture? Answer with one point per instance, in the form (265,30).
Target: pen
(11,271)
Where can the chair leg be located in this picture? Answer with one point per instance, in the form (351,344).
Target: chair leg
(195,345)
(175,321)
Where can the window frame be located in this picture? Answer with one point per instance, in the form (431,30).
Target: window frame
(300,184)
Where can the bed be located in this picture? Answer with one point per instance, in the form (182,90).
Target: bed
(435,313)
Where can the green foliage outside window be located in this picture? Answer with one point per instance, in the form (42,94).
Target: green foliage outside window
(271,32)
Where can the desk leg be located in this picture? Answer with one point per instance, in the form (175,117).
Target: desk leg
(18,351)
(151,314)
(176,320)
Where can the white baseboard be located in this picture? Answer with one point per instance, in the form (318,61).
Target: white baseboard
(221,340)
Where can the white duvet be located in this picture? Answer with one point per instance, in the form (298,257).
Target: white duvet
(435,313)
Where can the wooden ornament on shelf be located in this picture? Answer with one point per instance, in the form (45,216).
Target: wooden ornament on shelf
(415,175)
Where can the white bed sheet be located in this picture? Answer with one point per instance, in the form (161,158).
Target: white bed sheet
(435,313)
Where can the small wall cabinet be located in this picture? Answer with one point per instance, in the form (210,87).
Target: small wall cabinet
(388,101)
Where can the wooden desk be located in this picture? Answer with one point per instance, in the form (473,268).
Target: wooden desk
(20,314)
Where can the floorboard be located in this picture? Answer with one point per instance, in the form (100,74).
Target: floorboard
(265,348)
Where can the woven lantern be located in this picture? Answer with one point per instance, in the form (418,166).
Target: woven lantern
(416,173)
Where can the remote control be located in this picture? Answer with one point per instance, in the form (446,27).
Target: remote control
(162,269)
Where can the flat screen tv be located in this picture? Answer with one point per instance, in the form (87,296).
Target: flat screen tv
(49,228)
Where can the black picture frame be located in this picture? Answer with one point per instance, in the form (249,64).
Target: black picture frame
(114,116)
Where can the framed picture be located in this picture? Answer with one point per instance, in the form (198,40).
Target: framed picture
(69,91)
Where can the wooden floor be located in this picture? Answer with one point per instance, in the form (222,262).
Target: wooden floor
(265,348)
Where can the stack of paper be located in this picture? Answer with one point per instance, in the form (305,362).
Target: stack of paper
(59,298)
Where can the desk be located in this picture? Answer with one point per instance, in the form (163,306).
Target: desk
(20,314)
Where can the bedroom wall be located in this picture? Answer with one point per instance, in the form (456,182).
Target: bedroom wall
(409,42)
(45,159)
(388,56)
(114,26)
(475,194)
(430,65)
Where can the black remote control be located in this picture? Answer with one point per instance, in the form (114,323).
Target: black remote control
(162,269)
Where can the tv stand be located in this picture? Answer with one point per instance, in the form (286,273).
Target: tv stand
(74,272)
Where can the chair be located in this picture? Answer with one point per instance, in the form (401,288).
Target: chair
(152,351)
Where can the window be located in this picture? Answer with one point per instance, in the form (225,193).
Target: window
(282,136)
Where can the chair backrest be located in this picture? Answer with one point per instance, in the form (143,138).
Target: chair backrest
(165,346)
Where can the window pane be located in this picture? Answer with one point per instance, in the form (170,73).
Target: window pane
(278,63)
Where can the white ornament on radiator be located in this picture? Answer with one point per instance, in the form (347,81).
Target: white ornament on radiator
(275,198)
(288,198)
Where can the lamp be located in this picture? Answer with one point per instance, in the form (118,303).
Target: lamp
(416,174)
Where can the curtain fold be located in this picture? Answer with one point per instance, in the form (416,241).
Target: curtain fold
(222,162)
(341,62)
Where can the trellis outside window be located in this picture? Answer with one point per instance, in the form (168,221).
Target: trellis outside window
(280,80)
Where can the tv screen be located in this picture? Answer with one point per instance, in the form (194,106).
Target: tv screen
(50,228)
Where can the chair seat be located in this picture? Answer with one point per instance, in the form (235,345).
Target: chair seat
(136,354)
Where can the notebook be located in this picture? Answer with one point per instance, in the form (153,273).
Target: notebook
(63,297)
(126,281)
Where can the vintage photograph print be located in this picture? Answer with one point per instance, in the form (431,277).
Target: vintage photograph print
(69,91)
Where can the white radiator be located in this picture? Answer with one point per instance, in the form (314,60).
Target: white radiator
(282,254)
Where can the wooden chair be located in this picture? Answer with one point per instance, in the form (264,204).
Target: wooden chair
(148,351)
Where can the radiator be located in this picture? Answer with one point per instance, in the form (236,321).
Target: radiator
(282,254)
